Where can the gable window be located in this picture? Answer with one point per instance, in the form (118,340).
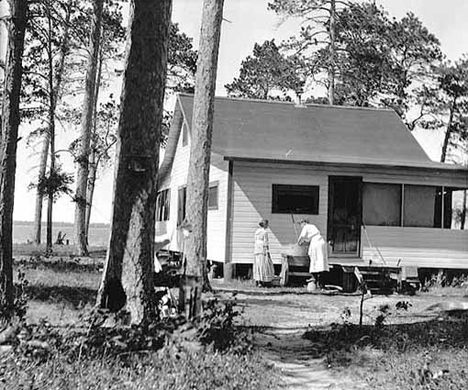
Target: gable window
(299,199)
(163,202)
(381,204)
(213,196)
(181,204)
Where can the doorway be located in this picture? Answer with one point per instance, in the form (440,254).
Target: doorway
(345,215)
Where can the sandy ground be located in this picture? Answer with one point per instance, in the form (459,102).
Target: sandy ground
(282,319)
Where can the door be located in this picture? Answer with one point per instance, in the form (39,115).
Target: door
(344,215)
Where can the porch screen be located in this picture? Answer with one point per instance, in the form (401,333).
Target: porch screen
(381,204)
(420,206)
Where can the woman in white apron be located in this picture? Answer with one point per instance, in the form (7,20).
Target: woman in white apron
(317,249)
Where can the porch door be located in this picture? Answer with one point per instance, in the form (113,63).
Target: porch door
(344,215)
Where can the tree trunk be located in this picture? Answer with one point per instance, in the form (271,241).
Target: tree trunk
(64,51)
(52,102)
(39,195)
(86,130)
(448,132)
(331,65)
(90,191)
(128,273)
(200,153)
(8,146)
(93,159)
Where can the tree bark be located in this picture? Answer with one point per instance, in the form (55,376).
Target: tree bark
(128,274)
(86,130)
(195,269)
(8,146)
(331,65)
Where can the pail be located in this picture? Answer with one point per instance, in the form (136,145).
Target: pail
(297,250)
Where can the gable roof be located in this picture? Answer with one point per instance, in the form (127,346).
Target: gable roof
(282,131)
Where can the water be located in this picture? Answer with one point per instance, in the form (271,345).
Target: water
(24,232)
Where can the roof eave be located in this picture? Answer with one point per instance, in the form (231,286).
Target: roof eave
(432,169)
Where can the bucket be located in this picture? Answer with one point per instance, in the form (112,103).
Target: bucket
(296,250)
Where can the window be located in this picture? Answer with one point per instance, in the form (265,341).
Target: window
(422,205)
(297,199)
(181,200)
(184,134)
(381,204)
(163,202)
(213,196)
(455,208)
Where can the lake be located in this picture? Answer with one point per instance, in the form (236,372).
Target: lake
(24,232)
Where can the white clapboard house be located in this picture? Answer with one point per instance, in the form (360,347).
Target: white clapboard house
(358,174)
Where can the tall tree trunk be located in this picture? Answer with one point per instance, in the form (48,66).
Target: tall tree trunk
(86,130)
(448,132)
(332,54)
(200,153)
(64,51)
(90,191)
(8,146)
(128,273)
(50,194)
(39,195)
(93,159)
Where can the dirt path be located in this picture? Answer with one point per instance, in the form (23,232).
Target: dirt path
(300,370)
(282,319)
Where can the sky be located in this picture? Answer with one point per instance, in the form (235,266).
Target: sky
(246,22)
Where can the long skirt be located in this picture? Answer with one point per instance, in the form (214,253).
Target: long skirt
(263,270)
(318,256)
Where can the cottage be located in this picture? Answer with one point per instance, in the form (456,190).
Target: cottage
(356,173)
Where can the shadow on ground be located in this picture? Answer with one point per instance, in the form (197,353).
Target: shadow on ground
(75,296)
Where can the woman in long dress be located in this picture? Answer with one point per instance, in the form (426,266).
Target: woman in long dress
(263,270)
(317,249)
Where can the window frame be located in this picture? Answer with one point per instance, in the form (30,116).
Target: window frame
(163,205)
(212,185)
(185,135)
(180,206)
(276,192)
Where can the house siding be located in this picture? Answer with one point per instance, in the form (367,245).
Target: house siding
(252,196)
(252,201)
(216,224)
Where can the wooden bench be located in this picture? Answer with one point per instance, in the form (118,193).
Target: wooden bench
(288,262)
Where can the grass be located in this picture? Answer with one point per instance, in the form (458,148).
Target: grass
(409,356)
(156,371)
(61,289)
(405,353)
